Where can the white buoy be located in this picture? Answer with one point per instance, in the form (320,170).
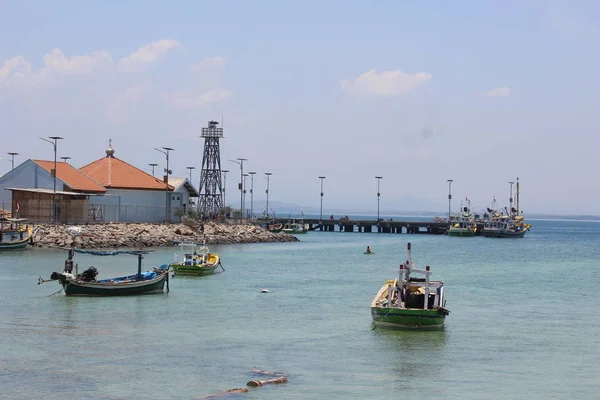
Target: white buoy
(264,291)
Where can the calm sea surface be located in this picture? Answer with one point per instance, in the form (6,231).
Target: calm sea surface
(523,325)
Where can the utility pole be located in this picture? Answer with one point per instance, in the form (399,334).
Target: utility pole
(12,154)
(167,173)
(53,142)
(251,193)
(241,185)
(321,217)
(449,197)
(268,174)
(378,195)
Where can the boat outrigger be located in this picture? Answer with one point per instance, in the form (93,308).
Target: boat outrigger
(410,302)
(85,284)
(195,260)
(13,235)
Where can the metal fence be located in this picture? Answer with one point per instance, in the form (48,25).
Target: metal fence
(68,213)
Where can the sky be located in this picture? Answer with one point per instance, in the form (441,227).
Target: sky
(415,92)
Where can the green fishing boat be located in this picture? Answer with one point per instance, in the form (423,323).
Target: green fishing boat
(195,260)
(408,301)
(463,228)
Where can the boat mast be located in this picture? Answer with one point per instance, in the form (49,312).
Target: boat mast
(140,256)
(518,196)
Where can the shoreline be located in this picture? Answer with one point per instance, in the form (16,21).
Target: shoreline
(143,235)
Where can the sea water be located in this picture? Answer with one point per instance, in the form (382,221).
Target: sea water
(523,322)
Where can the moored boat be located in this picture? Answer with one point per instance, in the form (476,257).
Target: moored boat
(509,225)
(294,228)
(195,260)
(13,235)
(85,284)
(464,228)
(410,302)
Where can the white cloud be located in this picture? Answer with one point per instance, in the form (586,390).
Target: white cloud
(209,62)
(385,84)
(191,100)
(55,61)
(497,92)
(107,84)
(147,54)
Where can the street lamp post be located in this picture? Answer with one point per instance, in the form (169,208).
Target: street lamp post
(244,187)
(153,165)
(449,197)
(321,178)
(268,174)
(167,173)
(241,185)
(378,195)
(510,199)
(224,171)
(251,193)
(191,168)
(53,142)
(12,155)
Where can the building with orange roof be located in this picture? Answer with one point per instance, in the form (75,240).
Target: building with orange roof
(133,195)
(106,190)
(30,188)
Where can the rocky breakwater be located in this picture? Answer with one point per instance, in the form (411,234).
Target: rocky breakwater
(104,236)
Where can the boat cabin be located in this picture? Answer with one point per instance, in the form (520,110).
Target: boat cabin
(416,293)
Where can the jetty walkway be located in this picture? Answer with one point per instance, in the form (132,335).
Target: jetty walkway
(349,225)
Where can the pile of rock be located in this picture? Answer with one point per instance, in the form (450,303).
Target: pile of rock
(103,236)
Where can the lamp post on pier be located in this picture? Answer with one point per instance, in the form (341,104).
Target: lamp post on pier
(224,172)
(12,155)
(244,186)
(241,185)
(449,197)
(510,199)
(252,193)
(153,165)
(321,215)
(167,173)
(268,174)
(378,195)
(53,142)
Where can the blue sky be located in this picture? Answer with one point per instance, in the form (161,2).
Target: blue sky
(416,92)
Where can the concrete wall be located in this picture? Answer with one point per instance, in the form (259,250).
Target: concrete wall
(27,175)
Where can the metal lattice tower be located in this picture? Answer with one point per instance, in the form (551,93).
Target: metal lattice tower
(211,188)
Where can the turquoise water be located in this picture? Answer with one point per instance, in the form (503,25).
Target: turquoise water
(523,322)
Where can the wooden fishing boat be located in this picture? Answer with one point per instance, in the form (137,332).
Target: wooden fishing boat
(506,228)
(85,284)
(410,302)
(13,235)
(509,225)
(275,228)
(196,260)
